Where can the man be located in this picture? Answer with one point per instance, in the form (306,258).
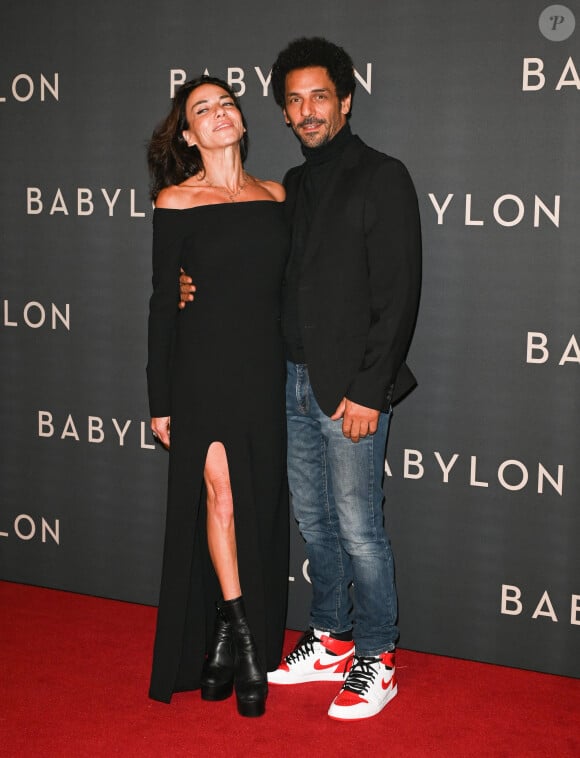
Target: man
(350,301)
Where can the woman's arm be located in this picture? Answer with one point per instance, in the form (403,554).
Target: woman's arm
(163,311)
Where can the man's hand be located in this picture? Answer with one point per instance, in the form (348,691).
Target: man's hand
(160,428)
(357,420)
(186,289)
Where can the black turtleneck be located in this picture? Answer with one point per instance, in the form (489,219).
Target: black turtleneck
(318,169)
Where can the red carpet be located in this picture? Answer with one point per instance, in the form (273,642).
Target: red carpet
(74,680)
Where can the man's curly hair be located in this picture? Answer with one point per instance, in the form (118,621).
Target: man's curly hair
(313,51)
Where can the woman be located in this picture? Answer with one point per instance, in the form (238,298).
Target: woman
(216,393)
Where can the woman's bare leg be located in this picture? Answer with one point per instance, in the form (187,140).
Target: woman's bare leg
(221,533)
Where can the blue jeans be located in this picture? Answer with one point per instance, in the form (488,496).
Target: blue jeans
(337,495)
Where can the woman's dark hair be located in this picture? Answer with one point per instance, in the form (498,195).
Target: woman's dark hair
(314,51)
(169,157)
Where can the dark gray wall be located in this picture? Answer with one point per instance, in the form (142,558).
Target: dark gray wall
(488,565)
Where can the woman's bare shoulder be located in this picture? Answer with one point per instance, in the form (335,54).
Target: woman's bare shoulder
(176,197)
(275,189)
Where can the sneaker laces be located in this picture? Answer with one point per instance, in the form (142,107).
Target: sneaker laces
(362,674)
(304,647)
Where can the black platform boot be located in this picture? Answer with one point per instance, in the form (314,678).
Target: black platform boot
(217,675)
(250,680)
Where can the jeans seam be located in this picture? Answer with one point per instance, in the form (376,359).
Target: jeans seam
(323,457)
(371,493)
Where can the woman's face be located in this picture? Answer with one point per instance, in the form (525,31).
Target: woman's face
(213,119)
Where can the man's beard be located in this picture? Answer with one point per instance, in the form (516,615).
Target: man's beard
(306,139)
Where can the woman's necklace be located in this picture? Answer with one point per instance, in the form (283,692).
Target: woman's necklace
(231,195)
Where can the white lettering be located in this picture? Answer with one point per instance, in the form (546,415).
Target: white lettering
(473,476)
(521,467)
(236,79)
(569,68)
(541,209)
(96,429)
(27,520)
(549,612)
(264,81)
(440,209)
(553,216)
(35,321)
(519,215)
(58,205)
(415,467)
(468,220)
(42,315)
(25,529)
(45,425)
(575,610)
(511,605)
(64,319)
(413,458)
(537,351)
(121,432)
(533,68)
(70,429)
(7,321)
(177,77)
(29,90)
(444,468)
(366,84)
(510,600)
(537,341)
(34,204)
(144,444)
(558,484)
(236,76)
(23,88)
(85,205)
(96,433)
(134,213)
(571,347)
(54,533)
(86,201)
(45,85)
(110,200)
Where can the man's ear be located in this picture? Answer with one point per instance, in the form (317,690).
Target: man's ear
(345,105)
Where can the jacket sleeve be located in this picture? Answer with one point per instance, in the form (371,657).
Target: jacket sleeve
(393,247)
(163,308)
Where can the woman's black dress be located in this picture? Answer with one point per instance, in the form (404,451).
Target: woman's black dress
(217,368)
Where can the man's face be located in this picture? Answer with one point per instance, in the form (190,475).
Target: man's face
(312,107)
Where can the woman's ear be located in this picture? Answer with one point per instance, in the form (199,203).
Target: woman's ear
(188,137)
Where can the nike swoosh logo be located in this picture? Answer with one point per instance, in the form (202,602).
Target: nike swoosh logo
(321,666)
(386,685)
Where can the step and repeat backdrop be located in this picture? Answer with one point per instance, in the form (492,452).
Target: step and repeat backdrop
(482,103)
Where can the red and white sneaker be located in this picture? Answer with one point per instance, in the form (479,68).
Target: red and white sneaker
(317,657)
(370,684)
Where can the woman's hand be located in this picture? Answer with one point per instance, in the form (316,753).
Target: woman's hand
(160,427)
